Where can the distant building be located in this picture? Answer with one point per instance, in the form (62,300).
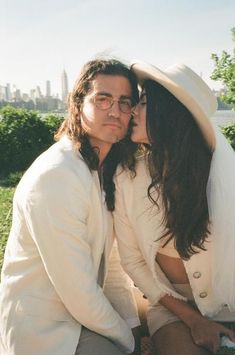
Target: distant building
(16,94)
(2,92)
(8,92)
(64,86)
(48,88)
(25,97)
(38,92)
(35,100)
(32,94)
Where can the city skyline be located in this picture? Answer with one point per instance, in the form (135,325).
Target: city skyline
(46,91)
(45,101)
(38,40)
(37,98)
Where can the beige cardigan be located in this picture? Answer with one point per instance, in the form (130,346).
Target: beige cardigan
(138,227)
(49,278)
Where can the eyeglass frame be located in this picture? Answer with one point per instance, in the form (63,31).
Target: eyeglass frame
(112,100)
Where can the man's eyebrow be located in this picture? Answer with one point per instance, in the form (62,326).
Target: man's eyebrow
(104,93)
(125,97)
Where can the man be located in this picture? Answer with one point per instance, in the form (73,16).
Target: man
(52,301)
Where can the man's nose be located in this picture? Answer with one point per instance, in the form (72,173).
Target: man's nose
(114,109)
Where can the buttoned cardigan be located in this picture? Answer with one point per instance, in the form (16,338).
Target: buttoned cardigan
(138,226)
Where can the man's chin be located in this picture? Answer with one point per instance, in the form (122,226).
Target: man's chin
(115,138)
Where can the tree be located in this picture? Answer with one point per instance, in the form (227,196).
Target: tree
(229,132)
(225,71)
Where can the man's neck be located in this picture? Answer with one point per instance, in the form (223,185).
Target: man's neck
(103,152)
(103,149)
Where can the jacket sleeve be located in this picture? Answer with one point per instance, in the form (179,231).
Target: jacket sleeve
(132,258)
(56,211)
(119,290)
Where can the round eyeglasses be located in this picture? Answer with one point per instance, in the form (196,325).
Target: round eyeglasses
(104,102)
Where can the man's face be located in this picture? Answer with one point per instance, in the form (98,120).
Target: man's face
(101,117)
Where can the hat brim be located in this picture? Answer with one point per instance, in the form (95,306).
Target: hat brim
(145,71)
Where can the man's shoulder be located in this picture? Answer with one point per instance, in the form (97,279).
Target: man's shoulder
(62,155)
(58,163)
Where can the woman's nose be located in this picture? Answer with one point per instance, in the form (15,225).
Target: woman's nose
(135,112)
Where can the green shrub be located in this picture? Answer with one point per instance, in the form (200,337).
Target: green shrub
(229,132)
(52,122)
(23,136)
(12,179)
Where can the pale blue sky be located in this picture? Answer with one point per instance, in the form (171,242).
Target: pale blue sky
(38,39)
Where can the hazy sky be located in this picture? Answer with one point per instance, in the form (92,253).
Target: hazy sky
(40,38)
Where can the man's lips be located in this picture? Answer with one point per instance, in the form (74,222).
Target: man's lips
(112,124)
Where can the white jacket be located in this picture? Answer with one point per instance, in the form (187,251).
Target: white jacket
(138,228)
(49,277)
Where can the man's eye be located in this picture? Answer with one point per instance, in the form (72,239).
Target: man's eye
(126,103)
(102,99)
(103,102)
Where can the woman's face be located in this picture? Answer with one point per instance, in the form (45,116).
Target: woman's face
(139,131)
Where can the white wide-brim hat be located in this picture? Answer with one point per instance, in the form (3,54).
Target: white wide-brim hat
(188,88)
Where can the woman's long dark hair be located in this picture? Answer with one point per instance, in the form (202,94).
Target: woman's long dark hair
(179,162)
(122,152)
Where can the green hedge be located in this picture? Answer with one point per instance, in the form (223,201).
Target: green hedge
(229,132)
(24,134)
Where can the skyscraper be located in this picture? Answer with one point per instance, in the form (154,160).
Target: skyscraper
(65,87)
(8,92)
(48,88)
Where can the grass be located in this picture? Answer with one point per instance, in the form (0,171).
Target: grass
(6,195)
(7,188)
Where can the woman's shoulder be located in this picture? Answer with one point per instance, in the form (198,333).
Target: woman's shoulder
(141,171)
(142,168)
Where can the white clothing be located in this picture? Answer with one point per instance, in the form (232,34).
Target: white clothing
(49,283)
(138,226)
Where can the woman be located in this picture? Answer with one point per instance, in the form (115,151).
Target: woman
(175,219)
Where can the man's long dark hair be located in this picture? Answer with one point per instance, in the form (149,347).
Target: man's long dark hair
(122,152)
(179,162)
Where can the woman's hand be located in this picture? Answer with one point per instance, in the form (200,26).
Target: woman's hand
(207,333)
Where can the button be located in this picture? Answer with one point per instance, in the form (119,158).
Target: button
(202,294)
(197,274)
